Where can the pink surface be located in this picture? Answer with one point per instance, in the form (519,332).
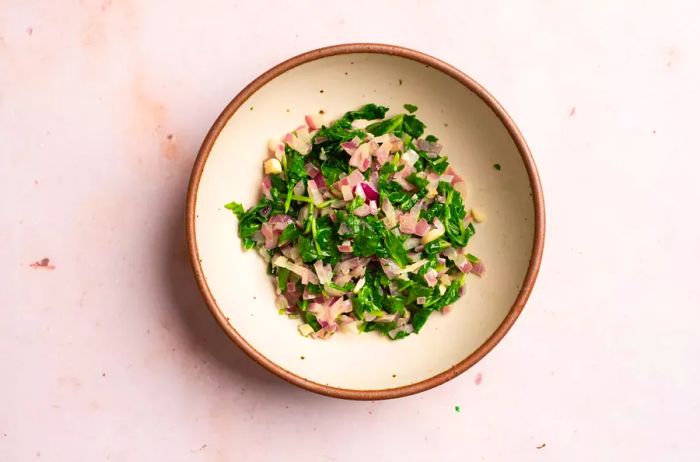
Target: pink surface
(108,353)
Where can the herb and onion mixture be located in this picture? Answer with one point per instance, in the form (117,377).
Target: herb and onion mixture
(363,229)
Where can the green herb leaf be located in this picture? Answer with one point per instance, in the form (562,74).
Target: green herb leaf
(413,126)
(419,319)
(367,112)
(290,233)
(410,108)
(282,276)
(386,126)
(236,208)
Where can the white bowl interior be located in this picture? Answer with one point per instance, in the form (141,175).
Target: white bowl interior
(473,137)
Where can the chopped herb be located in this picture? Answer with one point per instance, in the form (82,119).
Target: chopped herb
(410,108)
(497,166)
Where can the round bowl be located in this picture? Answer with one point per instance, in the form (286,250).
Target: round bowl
(476,134)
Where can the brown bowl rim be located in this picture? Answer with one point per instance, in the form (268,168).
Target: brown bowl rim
(537,198)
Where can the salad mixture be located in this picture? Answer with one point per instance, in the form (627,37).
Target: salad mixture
(362,225)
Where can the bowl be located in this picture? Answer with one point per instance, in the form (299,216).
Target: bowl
(476,133)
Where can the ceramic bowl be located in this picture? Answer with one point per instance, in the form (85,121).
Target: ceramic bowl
(476,134)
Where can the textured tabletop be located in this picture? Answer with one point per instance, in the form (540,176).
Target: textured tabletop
(107,351)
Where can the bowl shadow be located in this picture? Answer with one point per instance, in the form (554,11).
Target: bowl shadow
(202,333)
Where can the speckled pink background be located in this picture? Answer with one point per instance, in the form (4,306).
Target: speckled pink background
(108,353)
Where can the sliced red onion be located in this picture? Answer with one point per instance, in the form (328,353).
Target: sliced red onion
(407,223)
(456,178)
(349,264)
(321,313)
(411,243)
(299,188)
(308,295)
(420,300)
(359,191)
(400,176)
(373,146)
(397,145)
(447,178)
(347,192)
(291,287)
(358,271)
(324,272)
(390,219)
(279,222)
(342,279)
(354,178)
(328,312)
(430,277)
(383,154)
(314,192)
(314,121)
(373,207)
(303,215)
(275,146)
(362,211)
(438,225)
(408,328)
(374,180)
(311,169)
(320,181)
(270,235)
(292,300)
(422,227)
(450,253)
(415,256)
(369,317)
(361,157)
(266,186)
(302,271)
(344,229)
(332,291)
(478,269)
(390,268)
(433,149)
(294,253)
(369,192)
(349,180)
(463,264)
(360,284)
(299,140)
(349,147)
(414,267)
(346,246)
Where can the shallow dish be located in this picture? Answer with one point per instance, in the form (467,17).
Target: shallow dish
(476,134)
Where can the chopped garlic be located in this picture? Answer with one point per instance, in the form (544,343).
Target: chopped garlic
(478,215)
(432,235)
(272,167)
(305,329)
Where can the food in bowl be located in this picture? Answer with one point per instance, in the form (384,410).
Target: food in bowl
(362,224)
